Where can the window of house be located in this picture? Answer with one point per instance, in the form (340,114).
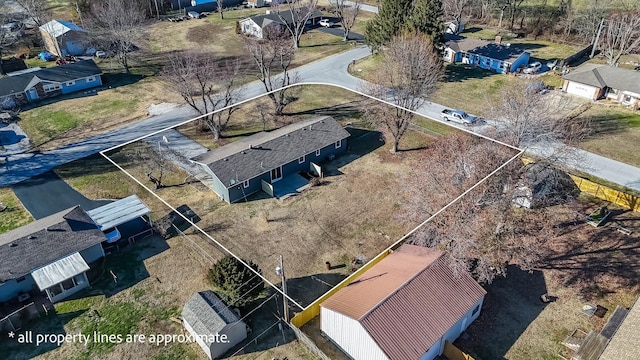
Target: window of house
(50,87)
(338,143)
(91,79)
(475,311)
(318,152)
(71,83)
(301,159)
(245,184)
(20,279)
(55,290)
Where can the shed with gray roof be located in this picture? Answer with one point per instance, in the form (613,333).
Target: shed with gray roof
(239,168)
(593,81)
(212,324)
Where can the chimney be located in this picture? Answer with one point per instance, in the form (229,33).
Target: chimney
(498,39)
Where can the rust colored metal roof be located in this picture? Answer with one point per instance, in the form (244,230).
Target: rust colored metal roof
(408,300)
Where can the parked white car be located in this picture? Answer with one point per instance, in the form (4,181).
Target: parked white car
(194,14)
(100,54)
(532,68)
(326,23)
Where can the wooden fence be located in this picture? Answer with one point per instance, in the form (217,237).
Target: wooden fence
(309,343)
(18,318)
(606,193)
(574,57)
(453,353)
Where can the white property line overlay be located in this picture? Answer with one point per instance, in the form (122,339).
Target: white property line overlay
(389,248)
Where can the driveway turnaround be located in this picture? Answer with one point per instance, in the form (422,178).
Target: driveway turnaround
(47,194)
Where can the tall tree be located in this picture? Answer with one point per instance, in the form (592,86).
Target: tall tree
(36,9)
(117,24)
(347,12)
(236,284)
(409,73)
(621,36)
(426,18)
(273,56)
(454,9)
(7,38)
(391,17)
(294,14)
(205,84)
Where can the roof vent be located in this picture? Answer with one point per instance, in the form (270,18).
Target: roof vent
(13,245)
(226,159)
(244,152)
(31,237)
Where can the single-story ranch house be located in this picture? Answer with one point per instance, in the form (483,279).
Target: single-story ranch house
(255,25)
(596,82)
(44,83)
(403,308)
(213,325)
(495,56)
(51,254)
(256,162)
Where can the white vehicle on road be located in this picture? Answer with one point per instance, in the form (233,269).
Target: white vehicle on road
(460,117)
(532,68)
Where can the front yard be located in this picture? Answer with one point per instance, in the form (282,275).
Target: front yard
(14,215)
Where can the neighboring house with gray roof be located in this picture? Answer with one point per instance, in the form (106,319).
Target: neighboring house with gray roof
(495,56)
(593,81)
(64,38)
(255,25)
(240,168)
(50,254)
(212,324)
(49,82)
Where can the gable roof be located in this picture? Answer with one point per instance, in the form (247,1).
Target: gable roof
(61,73)
(208,315)
(624,343)
(493,50)
(45,240)
(412,294)
(59,27)
(256,154)
(606,76)
(287,15)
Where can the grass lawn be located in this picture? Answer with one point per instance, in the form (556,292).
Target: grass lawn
(616,133)
(15,214)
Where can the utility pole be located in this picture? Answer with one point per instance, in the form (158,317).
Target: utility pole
(595,42)
(285,302)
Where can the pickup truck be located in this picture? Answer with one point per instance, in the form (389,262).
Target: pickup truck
(459,116)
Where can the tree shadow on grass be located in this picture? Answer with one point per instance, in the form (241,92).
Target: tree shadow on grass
(352,109)
(461,72)
(511,304)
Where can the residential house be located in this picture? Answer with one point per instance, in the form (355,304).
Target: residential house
(255,25)
(597,82)
(49,82)
(623,343)
(257,162)
(495,56)
(64,38)
(403,308)
(50,254)
(212,324)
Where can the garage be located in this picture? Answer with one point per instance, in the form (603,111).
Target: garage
(578,89)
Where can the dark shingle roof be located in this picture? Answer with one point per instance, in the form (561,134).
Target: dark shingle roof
(411,283)
(207,314)
(67,72)
(14,84)
(606,76)
(498,51)
(80,69)
(266,19)
(259,153)
(46,240)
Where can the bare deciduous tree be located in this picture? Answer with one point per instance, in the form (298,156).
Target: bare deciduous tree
(36,9)
(154,165)
(455,9)
(117,24)
(294,15)
(347,11)
(409,73)
(621,36)
(221,8)
(483,232)
(7,38)
(205,84)
(273,56)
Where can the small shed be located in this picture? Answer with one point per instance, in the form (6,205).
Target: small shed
(214,326)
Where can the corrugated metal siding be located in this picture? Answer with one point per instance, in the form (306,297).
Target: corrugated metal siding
(349,335)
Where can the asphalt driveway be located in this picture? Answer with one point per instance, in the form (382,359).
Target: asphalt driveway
(337,31)
(47,194)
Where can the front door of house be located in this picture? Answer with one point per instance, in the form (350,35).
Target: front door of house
(276,174)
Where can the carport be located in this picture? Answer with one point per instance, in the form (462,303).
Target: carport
(127,217)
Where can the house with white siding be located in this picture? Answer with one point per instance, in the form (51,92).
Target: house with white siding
(403,308)
(595,82)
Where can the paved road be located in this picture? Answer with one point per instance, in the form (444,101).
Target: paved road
(47,194)
(331,70)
